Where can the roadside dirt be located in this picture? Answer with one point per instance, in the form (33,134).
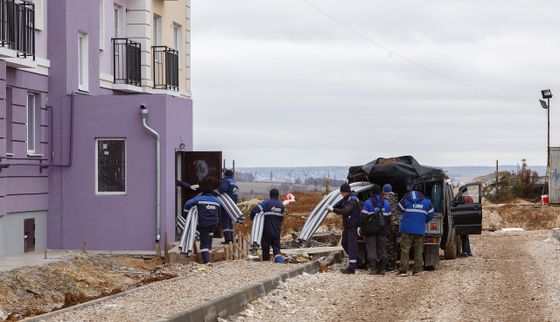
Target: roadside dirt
(513,277)
(523,214)
(39,289)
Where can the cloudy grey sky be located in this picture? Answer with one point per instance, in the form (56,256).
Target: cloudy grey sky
(277,83)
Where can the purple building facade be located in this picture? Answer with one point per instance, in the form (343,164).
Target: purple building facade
(95,178)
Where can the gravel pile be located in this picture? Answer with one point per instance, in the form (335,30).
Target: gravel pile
(513,277)
(162,299)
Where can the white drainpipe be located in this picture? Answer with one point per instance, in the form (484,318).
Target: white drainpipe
(144,117)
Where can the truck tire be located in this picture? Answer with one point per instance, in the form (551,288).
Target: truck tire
(431,257)
(450,251)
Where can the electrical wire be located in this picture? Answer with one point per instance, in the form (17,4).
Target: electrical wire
(408,60)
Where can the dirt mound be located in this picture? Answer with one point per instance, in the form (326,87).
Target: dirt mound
(296,214)
(39,289)
(526,215)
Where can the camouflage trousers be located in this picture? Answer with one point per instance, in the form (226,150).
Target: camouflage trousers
(392,247)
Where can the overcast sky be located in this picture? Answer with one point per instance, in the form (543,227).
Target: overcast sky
(277,83)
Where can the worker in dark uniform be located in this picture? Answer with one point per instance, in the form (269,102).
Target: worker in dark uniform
(376,243)
(229,187)
(209,208)
(393,229)
(349,207)
(273,210)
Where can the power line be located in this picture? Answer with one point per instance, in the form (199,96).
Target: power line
(408,60)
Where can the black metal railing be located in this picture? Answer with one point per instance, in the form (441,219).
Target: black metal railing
(17,27)
(165,62)
(126,61)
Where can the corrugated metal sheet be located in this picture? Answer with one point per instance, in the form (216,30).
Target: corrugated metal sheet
(554,176)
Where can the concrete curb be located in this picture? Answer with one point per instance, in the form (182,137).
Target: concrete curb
(556,233)
(226,305)
(236,301)
(48,315)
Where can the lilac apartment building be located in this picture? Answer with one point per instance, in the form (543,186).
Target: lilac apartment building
(78,162)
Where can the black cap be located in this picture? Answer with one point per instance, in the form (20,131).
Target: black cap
(274,193)
(228,173)
(376,189)
(345,188)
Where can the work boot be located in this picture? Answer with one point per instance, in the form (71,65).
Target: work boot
(278,259)
(402,273)
(372,270)
(347,271)
(380,268)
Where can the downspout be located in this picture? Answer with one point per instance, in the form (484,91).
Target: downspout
(144,117)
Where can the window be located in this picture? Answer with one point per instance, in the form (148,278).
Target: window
(110,170)
(38,4)
(156,37)
(117,21)
(101,24)
(177,39)
(83,57)
(31,122)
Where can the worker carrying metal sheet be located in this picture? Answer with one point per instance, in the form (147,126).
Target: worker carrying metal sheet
(349,207)
(229,187)
(273,210)
(209,209)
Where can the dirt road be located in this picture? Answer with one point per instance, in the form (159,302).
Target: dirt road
(513,277)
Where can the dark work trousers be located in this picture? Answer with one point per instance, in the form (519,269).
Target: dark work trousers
(268,241)
(350,245)
(375,245)
(465,245)
(227,226)
(206,235)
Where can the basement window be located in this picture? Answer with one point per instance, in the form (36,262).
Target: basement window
(110,166)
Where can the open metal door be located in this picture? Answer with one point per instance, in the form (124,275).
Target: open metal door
(196,167)
(466,210)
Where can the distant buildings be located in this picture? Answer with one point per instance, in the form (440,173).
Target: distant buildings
(76,163)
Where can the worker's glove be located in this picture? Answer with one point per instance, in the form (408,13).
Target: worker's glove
(330,208)
(194,187)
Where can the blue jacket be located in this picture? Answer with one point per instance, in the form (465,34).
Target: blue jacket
(417,211)
(209,208)
(228,186)
(273,215)
(373,204)
(349,207)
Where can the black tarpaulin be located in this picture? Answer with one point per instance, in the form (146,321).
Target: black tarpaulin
(402,168)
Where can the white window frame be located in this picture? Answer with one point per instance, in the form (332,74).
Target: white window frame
(177,40)
(39,14)
(31,124)
(83,62)
(117,21)
(156,30)
(101,24)
(96,160)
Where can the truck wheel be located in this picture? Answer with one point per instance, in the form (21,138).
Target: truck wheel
(450,251)
(431,257)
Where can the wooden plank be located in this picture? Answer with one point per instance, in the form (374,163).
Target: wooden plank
(310,250)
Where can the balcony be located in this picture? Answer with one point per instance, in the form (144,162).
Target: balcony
(126,62)
(17,27)
(165,62)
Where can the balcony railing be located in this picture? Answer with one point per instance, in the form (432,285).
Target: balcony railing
(126,61)
(17,27)
(165,62)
